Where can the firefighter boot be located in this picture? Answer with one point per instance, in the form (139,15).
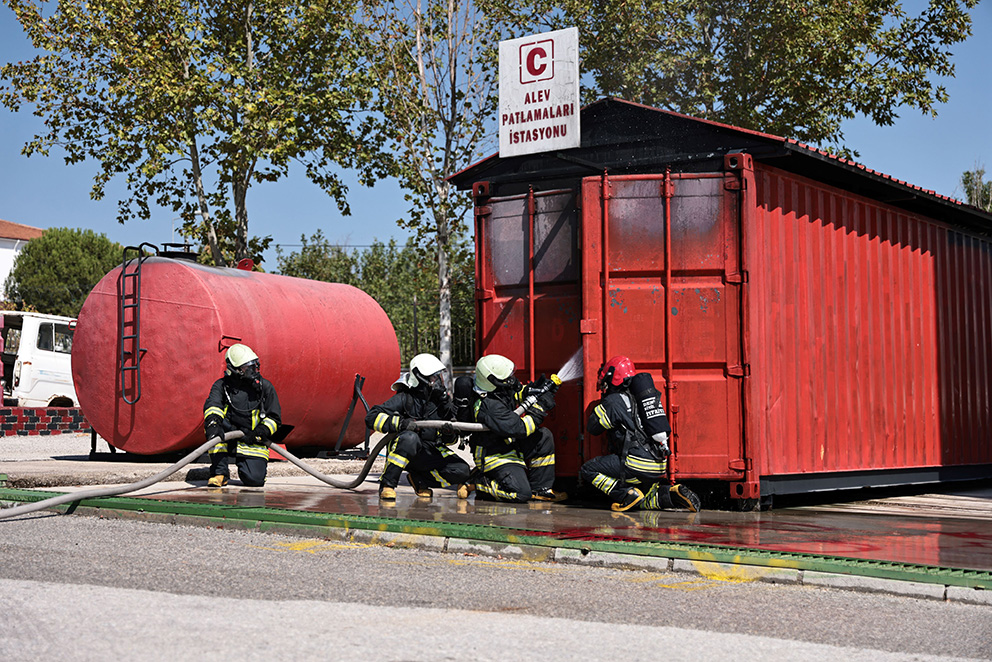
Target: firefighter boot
(547,494)
(633,497)
(421,490)
(464,490)
(683,497)
(217,481)
(387,493)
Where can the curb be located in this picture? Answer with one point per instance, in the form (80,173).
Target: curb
(736,572)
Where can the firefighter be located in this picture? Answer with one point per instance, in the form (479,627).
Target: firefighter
(241,400)
(424,454)
(637,430)
(515,458)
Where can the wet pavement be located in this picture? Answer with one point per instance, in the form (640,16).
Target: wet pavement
(946,530)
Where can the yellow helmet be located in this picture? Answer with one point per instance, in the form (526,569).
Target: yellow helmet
(492,371)
(240,359)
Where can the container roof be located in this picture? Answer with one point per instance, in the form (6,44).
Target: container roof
(9,230)
(622,137)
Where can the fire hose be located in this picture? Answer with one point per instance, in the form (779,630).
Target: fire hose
(117,490)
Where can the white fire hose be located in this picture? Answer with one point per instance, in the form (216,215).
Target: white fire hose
(117,490)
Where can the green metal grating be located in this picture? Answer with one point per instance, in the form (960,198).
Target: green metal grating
(487,533)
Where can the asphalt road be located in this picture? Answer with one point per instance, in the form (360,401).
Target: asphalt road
(81,588)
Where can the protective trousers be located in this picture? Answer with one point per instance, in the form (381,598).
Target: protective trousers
(532,469)
(614,475)
(430,465)
(251,470)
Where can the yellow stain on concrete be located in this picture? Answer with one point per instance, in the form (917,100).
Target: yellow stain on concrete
(732,572)
(310,546)
(693,585)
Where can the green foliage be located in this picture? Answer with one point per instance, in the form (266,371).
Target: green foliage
(318,259)
(978,192)
(403,281)
(796,68)
(54,273)
(194,101)
(436,81)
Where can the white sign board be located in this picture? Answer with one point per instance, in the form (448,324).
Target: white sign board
(539,93)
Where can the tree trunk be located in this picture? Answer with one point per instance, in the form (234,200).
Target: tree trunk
(240,190)
(201,198)
(444,285)
(242,176)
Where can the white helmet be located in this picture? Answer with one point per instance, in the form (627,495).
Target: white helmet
(240,360)
(492,371)
(425,369)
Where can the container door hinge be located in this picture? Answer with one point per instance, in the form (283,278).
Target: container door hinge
(483,294)
(739,370)
(738,465)
(588,326)
(484,210)
(735,278)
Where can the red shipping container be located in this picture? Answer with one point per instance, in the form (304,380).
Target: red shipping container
(813,324)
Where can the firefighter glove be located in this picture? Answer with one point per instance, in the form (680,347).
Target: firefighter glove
(536,412)
(214,430)
(547,401)
(448,434)
(407,424)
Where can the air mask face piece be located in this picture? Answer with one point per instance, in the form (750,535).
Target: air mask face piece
(250,371)
(434,382)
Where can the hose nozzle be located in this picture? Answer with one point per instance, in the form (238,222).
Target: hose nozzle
(556,380)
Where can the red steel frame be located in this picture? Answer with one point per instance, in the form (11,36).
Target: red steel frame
(807,332)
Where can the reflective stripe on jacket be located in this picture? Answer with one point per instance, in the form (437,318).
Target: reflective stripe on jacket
(236,406)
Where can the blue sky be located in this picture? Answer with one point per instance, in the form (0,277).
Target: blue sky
(43,192)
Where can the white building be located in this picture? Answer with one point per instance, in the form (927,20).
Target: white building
(13,238)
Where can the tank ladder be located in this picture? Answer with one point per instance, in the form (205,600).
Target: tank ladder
(129,321)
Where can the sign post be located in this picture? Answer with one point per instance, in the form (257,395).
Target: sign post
(539,93)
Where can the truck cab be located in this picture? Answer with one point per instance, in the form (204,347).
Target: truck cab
(37,360)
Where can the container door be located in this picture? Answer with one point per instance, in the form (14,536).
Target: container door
(528,303)
(669,298)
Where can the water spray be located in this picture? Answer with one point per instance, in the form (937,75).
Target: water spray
(572,369)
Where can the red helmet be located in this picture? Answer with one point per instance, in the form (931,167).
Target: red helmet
(615,372)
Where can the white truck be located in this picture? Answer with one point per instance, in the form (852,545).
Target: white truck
(37,360)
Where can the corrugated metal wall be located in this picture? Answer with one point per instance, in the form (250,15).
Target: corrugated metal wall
(869,334)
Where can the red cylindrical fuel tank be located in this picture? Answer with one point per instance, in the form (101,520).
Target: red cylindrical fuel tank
(312,338)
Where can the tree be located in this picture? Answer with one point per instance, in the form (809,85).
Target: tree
(435,78)
(55,272)
(977,191)
(318,259)
(194,101)
(401,281)
(796,68)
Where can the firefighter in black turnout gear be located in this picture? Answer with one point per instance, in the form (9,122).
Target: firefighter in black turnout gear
(424,454)
(516,457)
(241,400)
(637,429)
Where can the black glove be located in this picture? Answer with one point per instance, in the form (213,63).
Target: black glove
(547,401)
(261,434)
(541,384)
(537,413)
(214,430)
(448,435)
(407,424)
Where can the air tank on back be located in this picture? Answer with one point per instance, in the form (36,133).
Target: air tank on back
(312,339)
